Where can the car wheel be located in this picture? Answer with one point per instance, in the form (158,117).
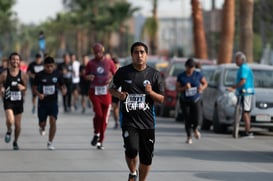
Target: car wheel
(217,126)
(270,129)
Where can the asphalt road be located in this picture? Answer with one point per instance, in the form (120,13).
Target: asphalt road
(213,157)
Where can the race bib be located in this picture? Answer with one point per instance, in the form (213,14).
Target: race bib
(136,102)
(191,92)
(15,95)
(48,89)
(101,90)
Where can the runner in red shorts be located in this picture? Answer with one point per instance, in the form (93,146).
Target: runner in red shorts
(100,71)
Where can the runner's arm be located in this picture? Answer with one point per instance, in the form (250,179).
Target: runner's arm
(155,96)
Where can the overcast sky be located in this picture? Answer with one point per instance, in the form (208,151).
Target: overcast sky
(35,11)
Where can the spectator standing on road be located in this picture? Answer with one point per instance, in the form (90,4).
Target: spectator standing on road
(190,84)
(100,71)
(33,68)
(67,71)
(75,80)
(84,84)
(46,86)
(13,85)
(141,86)
(244,87)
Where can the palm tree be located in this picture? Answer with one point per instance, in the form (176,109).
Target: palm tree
(227,34)
(119,13)
(7,25)
(101,18)
(151,27)
(246,28)
(200,45)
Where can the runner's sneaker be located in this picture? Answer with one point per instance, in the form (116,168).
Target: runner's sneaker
(42,131)
(95,140)
(15,146)
(100,146)
(197,134)
(8,137)
(189,141)
(247,135)
(50,146)
(75,107)
(33,110)
(116,126)
(132,177)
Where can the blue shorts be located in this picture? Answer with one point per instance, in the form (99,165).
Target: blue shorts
(47,109)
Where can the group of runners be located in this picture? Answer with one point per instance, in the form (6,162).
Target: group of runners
(135,89)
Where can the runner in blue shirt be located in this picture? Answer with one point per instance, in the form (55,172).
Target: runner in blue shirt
(190,85)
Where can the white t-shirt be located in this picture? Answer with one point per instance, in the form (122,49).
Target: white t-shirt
(76,72)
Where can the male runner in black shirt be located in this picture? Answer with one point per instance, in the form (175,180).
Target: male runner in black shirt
(13,86)
(33,68)
(141,86)
(46,86)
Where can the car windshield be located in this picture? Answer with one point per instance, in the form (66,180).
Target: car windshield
(208,73)
(176,69)
(263,78)
(230,77)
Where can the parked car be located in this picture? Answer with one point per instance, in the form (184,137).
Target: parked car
(219,105)
(176,66)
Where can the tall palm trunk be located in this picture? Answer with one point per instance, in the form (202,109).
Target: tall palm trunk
(84,42)
(246,29)
(79,42)
(200,45)
(227,35)
(62,43)
(153,39)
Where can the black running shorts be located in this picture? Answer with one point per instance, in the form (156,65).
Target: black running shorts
(139,141)
(16,107)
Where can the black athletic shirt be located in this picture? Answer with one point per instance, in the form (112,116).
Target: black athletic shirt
(34,68)
(12,92)
(69,71)
(48,84)
(83,81)
(138,109)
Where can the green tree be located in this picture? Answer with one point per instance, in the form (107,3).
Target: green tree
(119,13)
(151,27)
(7,25)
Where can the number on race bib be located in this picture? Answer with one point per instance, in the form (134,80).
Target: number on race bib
(101,90)
(49,89)
(15,95)
(191,92)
